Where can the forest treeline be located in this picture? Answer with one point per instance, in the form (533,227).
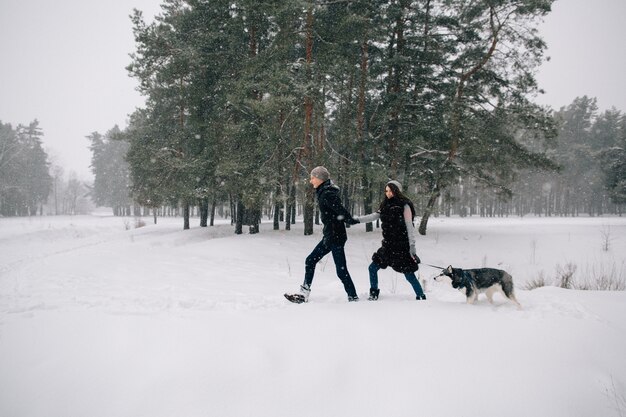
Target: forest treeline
(245,97)
(30,182)
(589,151)
(590,180)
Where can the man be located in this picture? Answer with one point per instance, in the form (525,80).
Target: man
(334,216)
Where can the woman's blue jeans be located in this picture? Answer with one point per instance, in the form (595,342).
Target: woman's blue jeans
(410,276)
(339,257)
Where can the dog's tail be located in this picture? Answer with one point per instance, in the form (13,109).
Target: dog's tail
(507,286)
(509,290)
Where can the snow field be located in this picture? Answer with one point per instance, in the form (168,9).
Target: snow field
(97,320)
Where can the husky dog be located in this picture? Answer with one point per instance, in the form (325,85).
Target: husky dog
(475,281)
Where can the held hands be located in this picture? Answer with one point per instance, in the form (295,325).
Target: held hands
(352,221)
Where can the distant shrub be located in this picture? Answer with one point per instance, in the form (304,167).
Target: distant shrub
(538,282)
(565,275)
(605,232)
(138,222)
(604,278)
(597,277)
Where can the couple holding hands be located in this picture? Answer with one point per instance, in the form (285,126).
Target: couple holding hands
(396,213)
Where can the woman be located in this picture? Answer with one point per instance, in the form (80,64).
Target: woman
(396,213)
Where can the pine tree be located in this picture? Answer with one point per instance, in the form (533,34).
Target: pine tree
(24,179)
(610,130)
(111,186)
(495,51)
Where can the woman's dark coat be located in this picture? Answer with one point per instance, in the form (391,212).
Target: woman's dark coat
(395,250)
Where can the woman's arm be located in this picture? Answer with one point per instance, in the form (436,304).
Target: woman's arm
(410,230)
(368,218)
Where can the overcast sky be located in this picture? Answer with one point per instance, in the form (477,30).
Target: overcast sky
(63,63)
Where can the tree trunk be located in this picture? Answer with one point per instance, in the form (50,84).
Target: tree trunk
(309,208)
(395,89)
(277,208)
(308,117)
(185,215)
(367,202)
(204,212)
(436,192)
(239,217)
(362,130)
(291,202)
(254,220)
(213,204)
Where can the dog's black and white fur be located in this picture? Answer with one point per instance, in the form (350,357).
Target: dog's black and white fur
(475,281)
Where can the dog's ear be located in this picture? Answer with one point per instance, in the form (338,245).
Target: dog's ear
(449,269)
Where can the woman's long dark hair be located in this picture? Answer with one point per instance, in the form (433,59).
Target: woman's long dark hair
(399,195)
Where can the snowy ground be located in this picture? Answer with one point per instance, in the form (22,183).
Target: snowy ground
(100,321)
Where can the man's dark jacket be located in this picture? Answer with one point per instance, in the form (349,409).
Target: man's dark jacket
(333,214)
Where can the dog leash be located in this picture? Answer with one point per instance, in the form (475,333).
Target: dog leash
(435,266)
